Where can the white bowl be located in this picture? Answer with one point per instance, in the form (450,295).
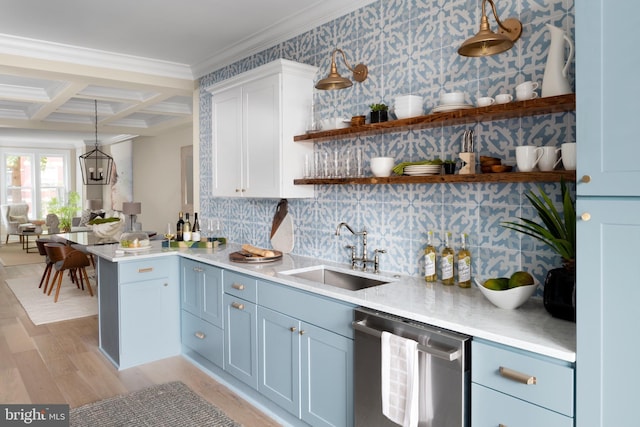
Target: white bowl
(382,166)
(409,101)
(449,98)
(403,113)
(508,299)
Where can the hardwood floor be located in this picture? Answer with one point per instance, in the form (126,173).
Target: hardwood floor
(60,363)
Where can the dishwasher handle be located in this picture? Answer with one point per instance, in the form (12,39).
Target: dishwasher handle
(448,355)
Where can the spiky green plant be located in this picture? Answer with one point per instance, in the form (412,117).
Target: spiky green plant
(556,231)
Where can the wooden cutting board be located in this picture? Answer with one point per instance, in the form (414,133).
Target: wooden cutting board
(282,238)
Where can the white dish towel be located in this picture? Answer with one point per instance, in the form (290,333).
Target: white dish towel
(400,381)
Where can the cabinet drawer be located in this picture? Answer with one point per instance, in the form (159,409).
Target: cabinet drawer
(203,337)
(490,408)
(554,380)
(315,309)
(143,270)
(239,285)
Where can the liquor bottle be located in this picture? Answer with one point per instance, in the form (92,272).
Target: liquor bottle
(464,263)
(180,228)
(186,233)
(430,258)
(446,262)
(195,230)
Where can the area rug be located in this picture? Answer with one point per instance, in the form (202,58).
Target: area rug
(171,404)
(13,254)
(72,302)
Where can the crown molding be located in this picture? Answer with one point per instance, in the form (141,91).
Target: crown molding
(279,32)
(21,46)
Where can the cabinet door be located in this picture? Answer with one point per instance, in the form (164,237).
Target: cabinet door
(607,317)
(149,321)
(279,359)
(228,143)
(326,377)
(189,286)
(490,408)
(240,356)
(607,96)
(211,286)
(261,128)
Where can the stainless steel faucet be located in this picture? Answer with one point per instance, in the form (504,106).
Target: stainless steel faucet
(363,259)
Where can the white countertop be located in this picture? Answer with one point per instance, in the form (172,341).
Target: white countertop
(466,311)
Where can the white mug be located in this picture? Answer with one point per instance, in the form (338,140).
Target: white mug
(527,157)
(485,101)
(523,95)
(569,155)
(503,98)
(549,159)
(527,86)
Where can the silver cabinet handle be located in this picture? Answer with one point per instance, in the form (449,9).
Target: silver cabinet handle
(238,286)
(200,335)
(237,305)
(198,269)
(517,376)
(449,354)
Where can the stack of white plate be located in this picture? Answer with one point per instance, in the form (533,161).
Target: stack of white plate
(451,101)
(422,169)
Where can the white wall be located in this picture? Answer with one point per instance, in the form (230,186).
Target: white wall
(156,177)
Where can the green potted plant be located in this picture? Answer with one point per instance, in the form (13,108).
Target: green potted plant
(65,210)
(449,166)
(558,231)
(379,113)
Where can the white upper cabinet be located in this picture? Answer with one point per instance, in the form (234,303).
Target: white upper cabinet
(255,116)
(608,91)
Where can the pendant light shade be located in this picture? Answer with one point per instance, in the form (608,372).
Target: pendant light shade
(486,42)
(96,165)
(335,80)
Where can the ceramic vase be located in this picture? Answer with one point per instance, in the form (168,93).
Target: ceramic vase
(554,80)
(560,293)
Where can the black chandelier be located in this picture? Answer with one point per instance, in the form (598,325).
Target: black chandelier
(96,165)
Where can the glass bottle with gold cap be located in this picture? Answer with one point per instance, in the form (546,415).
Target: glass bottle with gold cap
(430,258)
(464,263)
(446,262)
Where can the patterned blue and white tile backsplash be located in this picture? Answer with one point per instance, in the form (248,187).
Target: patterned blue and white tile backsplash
(410,47)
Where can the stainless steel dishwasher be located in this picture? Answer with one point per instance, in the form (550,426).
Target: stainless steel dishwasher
(444,379)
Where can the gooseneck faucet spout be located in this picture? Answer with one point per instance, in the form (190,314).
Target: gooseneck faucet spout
(344,224)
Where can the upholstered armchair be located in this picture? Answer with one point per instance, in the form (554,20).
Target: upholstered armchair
(13,215)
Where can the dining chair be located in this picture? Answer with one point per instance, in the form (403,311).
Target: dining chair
(48,263)
(68,259)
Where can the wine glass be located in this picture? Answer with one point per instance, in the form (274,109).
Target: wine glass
(169,234)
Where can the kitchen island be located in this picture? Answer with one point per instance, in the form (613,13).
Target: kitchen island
(465,311)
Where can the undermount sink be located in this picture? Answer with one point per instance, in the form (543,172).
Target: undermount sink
(350,280)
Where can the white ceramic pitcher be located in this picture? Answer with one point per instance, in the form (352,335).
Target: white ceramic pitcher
(554,81)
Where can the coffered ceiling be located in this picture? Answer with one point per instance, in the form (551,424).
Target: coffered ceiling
(138,59)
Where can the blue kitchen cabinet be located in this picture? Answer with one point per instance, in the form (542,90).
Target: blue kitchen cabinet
(306,354)
(608,94)
(514,387)
(201,292)
(279,355)
(326,377)
(608,292)
(609,225)
(240,327)
(202,311)
(139,310)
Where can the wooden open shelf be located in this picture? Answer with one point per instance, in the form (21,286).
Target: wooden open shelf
(532,107)
(552,176)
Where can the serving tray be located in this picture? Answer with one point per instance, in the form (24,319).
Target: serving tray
(246,257)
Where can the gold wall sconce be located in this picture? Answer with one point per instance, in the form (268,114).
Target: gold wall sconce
(486,42)
(336,81)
